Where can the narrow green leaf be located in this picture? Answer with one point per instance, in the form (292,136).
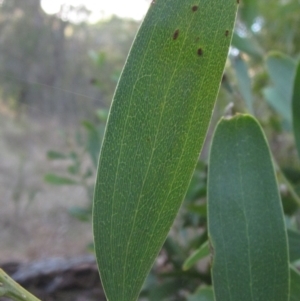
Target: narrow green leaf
(245,216)
(93,143)
(12,290)
(199,254)
(296,108)
(281,69)
(58,180)
(202,294)
(294,245)
(156,128)
(244,81)
(295,284)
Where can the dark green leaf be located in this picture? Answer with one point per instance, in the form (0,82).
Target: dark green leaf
(156,128)
(246,224)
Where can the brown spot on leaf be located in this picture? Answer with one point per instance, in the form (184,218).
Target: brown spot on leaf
(226,33)
(153,2)
(200,51)
(238,1)
(176,34)
(194,8)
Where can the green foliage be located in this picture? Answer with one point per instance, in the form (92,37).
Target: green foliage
(151,147)
(199,254)
(246,223)
(295,284)
(167,88)
(9,288)
(244,81)
(81,163)
(281,69)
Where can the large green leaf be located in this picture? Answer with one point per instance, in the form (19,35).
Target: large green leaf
(296,108)
(245,216)
(156,128)
(281,69)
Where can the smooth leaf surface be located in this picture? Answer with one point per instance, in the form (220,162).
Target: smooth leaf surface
(199,254)
(296,108)
(281,69)
(245,216)
(156,128)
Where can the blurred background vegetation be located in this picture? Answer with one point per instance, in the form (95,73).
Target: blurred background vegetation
(57,78)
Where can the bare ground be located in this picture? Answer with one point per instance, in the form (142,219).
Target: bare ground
(34,218)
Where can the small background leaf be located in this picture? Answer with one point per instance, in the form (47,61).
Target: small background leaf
(244,81)
(199,254)
(296,108)
(247,45)
(54,155)
(58,180)
(249,11)
(281,69)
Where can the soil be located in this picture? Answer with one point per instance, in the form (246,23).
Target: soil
(34,218)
